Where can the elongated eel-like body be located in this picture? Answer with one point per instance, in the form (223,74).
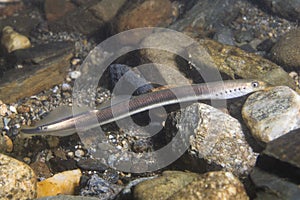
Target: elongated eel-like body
(204,91)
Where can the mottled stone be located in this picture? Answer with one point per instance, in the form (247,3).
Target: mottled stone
(210,57)
(150,13)
(217,138)
(13,40)
(164,186)
(236,62)
(62,183)
(213,186)
(271,114)
(286,50)
(17,180)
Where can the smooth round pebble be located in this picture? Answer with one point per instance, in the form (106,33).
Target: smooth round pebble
(13,40)
(273,113)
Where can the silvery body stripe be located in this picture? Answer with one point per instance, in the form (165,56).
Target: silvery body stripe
(123,109)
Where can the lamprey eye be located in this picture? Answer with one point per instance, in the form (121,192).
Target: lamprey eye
(255,84)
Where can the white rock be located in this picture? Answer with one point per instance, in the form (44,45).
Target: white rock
(13,40)
(272,113)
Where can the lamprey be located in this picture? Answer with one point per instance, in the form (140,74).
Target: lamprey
(204,91)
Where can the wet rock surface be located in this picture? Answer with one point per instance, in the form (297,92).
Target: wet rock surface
(272,114)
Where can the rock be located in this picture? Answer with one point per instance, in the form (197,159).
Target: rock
(90,17)
(217,138)
(277,171)
(210,57)
(18,180)
(208,15)
(62,183)
(149,13)
(52,6)
(13,40)
(288,9)
(286,50)
(279,157)
(43,67)
(236,62)
(165,66)
(98,187)
(271,114)
(270,186)
(6,144)
(213,185)
(224,36)
(164,186)
(180,185)
(91,164)
(68,197)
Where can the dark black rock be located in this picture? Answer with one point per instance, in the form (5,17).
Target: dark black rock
(91,164)
(60,165)
(265,45)
(288,9)
(281,157)
(271,187)
(277,171)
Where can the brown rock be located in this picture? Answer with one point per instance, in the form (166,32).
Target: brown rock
(286,51)
(55,9)
(89,18)
(50,69)
(150,13)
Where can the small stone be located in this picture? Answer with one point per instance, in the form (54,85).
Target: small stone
(79,153)
(3,109)
(13,109)
(273,113)
(75,74)
(13,40)
(75,61)
(27,160)
(66,87)
(62,183)
(18,180)
(9,144)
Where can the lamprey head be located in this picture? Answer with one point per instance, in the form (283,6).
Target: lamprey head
(256,85)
